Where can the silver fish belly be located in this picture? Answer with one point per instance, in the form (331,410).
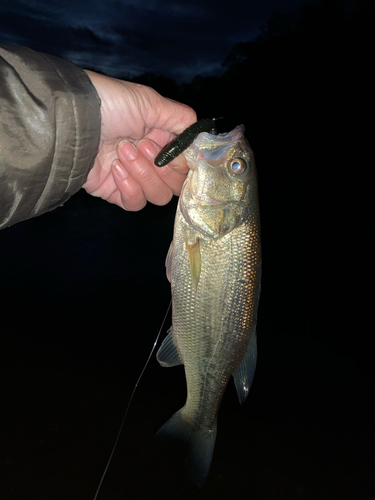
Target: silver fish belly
(214,265)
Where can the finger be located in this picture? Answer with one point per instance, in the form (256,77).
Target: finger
(103,188)
(172,174)
(129,194)
(144,172)
(168,114)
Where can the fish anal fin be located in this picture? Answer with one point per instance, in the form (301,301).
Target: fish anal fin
(167,354)
(244,374)
(194,255)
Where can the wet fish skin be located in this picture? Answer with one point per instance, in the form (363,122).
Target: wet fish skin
(214,265)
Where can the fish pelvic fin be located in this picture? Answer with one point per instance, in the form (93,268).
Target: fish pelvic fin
(194,255)
(168,354)
(200,443)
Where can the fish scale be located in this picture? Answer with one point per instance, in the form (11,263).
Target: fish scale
(216,317)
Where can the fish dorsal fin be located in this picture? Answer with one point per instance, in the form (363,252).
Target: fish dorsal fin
(243,376)
(168,262)
(194,255)
(167,354)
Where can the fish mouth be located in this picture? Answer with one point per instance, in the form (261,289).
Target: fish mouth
(206,201)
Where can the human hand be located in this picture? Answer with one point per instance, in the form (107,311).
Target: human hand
(137,122)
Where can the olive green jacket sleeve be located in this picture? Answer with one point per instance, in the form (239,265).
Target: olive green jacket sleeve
(49,132)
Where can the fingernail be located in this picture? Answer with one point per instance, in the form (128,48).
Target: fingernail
(147,148)
(119,169)
(128,149)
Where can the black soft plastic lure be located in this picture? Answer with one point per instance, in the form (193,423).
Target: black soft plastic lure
(183,141)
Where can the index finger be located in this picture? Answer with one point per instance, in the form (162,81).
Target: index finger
(181,118)
(166,114)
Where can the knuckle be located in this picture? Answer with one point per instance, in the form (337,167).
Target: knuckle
(144,174)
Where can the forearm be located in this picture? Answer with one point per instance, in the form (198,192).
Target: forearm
(49,132)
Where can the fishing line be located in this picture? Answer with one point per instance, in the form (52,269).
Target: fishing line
(130,400)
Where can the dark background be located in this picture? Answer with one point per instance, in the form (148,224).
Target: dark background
(83,293)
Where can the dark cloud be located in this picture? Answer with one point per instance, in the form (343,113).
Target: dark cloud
(174,39)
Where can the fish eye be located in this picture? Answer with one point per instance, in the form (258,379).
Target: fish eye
(237,166)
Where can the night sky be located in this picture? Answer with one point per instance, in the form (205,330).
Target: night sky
(175,39)
(83,289)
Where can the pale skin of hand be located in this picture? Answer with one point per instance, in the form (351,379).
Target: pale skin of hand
(136,124)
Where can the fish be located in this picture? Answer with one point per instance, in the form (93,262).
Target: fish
(214,267)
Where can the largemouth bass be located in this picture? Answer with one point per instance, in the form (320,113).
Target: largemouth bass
(214,266)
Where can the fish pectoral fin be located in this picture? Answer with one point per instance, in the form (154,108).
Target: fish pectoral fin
(167,354)
(244,374)
(194,255)
(168,262)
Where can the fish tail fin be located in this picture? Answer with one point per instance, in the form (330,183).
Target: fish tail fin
(200,444)
(201,449)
